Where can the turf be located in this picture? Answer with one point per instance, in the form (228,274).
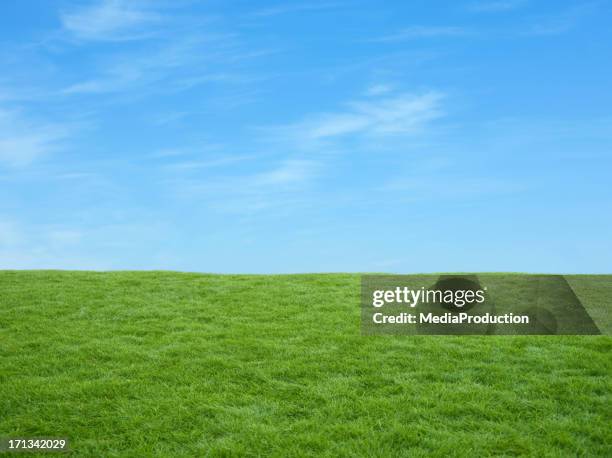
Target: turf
(172,364)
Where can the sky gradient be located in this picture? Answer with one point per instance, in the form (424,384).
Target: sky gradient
(271,137)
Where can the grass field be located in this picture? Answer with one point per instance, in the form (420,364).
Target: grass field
(172,364)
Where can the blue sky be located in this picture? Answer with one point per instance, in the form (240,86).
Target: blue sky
(244,136)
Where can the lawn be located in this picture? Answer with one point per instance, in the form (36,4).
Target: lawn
(176,364)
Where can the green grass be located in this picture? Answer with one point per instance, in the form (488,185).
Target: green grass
(171,364)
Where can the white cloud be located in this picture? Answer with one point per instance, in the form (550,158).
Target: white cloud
(378,89)
(36,245)
(444,185)
(417,31)
(495,6)
(401,114)
(205,164)
(287,174)
(95,86)
(10,235)
(178,63)
(64,236)
(294,8)
(179,58)
(109,20)
(556,24)
(23,141)
(290,172)
(281,186)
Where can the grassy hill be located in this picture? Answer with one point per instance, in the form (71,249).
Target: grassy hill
(175,364)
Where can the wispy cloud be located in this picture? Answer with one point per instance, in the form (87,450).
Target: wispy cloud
(29,245)
(561,22)
(495,6)
(400,114)
(378,89)
(10,234)
(294,8)
(206,164)
(418,31)
(450,186)
(23,141)
(110,20)
(290,172)
(181,63)
(277,186)
(285,175)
